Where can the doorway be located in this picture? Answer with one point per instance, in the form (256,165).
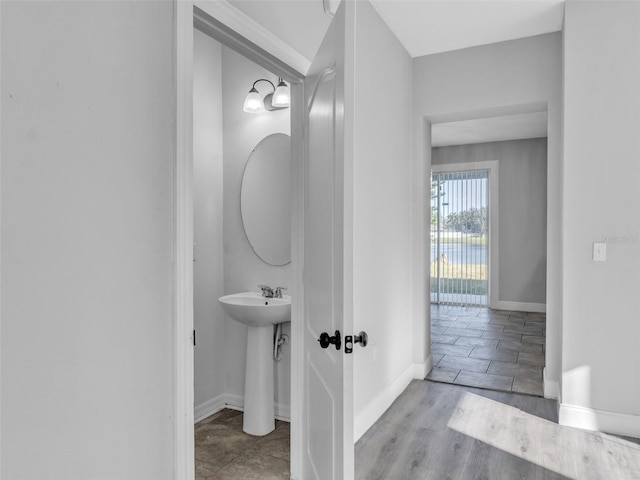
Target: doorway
(188,17)
(499,345)
(234,255)
(460,238)
(464,234)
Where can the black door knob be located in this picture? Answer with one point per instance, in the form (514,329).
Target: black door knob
(326,340)
(362,339)
(349,340)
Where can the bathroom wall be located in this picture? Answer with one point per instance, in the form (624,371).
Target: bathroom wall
(88,154)
(243,269)
(498,78)
(522,212)
(208,268)
(224,137)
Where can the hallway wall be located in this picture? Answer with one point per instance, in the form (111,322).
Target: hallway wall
(381,220)
(600,367)
(88,154)
(522,213)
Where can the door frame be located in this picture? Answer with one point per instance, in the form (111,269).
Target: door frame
(240,33)
(492,166)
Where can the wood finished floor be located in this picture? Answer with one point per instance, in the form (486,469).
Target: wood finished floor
(485,348)
(439,431)
(224,452)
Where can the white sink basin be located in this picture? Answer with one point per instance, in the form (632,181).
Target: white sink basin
(260,314)
(254,310)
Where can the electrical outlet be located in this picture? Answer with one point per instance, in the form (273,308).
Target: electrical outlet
(599,252)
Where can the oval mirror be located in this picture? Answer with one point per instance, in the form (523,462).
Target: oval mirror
(265,199)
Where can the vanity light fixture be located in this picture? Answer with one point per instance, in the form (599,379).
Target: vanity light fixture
(281,97)
(278,99)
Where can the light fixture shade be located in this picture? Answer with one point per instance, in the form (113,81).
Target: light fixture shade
(281,97)
(253,102)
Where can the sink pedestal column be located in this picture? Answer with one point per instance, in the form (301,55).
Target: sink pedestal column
(259,407)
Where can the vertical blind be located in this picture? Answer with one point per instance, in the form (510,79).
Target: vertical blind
(459,237)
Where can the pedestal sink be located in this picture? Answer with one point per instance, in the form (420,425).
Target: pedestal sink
(259,314)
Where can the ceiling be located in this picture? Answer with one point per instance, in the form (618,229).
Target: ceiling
(493,129)
(299,23)
(426,27)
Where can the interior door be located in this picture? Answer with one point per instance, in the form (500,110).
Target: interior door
(327,416)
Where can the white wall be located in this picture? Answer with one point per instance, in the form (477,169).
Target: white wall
(522,212)
(601,371)
(87,179)
(209,319)
(506,77)
(243,269)
(382,218)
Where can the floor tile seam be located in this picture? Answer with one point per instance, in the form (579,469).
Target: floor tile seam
(208,463)
(277,458)
(220,467)
(515,364)
(525,377)
(238,450)
(525,362)
(486,388)
(457,375)
(490,374)
(252,451)
(523,331)
(507,349)
(538,376)
(474,371)
(516,377)
(491,388)
(469,371)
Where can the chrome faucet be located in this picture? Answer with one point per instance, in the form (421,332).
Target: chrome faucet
(278,292)
(267,291)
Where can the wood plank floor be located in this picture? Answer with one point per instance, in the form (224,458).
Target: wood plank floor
(440,431)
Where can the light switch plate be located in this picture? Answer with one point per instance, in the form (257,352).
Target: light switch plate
(599,252)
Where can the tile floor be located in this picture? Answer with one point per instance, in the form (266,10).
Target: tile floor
(224,452)
(494,349)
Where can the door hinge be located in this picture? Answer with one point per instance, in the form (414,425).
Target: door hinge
(194,337)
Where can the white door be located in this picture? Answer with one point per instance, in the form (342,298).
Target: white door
(327,416)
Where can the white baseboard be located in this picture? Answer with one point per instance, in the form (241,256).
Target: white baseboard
(551,387)
(283,412)
(599,420)
(519,306)
(208,408)
(376,407)
(421,370)
(234,402)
